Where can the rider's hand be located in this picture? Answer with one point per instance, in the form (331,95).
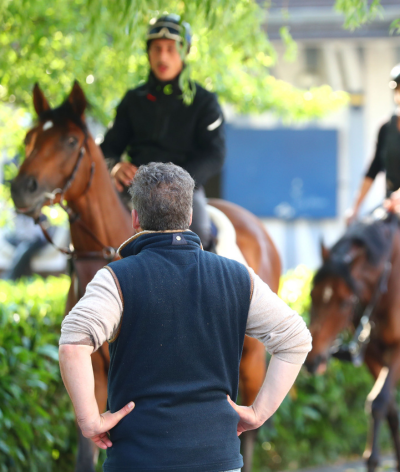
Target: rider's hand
(123,174)
(392,204)
(350,216)
(248,417)
(97,428)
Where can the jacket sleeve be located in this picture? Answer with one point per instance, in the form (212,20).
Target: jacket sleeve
(208,155)
(377,164)
(119,135)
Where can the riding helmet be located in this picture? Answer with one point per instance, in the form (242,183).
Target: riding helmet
(395,77)
(169,27)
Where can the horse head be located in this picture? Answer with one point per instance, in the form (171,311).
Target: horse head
(54,148)
(334,297)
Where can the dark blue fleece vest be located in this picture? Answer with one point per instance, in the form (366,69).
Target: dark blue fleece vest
(177,356)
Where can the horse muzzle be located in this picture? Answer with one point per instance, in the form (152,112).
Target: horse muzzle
(316,364)
(27,195)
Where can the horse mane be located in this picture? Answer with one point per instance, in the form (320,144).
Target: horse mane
(337,266)
(370,234)
(63,113)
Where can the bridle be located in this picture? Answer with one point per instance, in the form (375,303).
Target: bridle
(107,252)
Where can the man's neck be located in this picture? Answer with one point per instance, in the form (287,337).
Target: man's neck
(166,87)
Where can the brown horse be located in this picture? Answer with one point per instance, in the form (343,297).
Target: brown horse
(63,162)
(358,287)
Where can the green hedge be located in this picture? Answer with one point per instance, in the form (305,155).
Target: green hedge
(322,418)
(37,426)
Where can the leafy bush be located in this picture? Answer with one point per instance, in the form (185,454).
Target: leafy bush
(36,417)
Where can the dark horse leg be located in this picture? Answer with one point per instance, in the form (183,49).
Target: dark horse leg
(381,403)
(252,374)
(393,413)
(377,405)
(393,420)
(248,440)
(87,454)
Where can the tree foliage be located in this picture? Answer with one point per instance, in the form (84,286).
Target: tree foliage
(358,12)
(101,43)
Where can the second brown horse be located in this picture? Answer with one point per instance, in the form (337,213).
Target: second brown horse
(363,271)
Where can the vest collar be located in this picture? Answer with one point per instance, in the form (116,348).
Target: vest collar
(139,241)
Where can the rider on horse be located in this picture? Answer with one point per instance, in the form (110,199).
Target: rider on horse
(153,123)
(387,154)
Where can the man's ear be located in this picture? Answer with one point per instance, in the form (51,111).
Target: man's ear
(191,218)
(135,221)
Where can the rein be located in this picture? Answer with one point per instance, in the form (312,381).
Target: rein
(107,252)
(354,351)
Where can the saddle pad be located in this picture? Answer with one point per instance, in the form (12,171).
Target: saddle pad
(226,237)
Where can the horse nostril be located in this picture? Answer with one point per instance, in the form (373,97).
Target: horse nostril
(31,184)
(312,364)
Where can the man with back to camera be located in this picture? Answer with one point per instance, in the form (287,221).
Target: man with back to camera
(175,317)
(154,124)
(387,152)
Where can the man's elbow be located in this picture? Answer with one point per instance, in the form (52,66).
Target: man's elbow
(72,351)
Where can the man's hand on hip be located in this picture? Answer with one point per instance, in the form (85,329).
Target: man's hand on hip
(77,374)
(248,417)
(97,429)
(123,174)
(278,381)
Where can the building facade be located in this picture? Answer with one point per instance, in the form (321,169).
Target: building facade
(358,62)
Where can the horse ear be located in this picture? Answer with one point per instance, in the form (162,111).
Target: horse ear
(39,100)
(324,251)
(77,99)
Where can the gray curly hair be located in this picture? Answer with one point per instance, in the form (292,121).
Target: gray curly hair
(162,194)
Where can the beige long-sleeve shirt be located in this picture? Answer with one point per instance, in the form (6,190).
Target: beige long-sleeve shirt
(97,316)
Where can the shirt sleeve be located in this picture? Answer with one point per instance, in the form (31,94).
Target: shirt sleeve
(120,134)
(95,319)
(208,155)
(377,165)
(282,331)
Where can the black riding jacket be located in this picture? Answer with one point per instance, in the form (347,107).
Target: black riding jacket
(153,124)
(387,155)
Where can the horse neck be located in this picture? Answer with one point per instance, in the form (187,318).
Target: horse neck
(99,209)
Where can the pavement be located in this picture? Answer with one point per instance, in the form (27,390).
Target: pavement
(387,464)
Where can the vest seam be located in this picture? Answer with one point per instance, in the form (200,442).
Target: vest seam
(251,284)
(116,281)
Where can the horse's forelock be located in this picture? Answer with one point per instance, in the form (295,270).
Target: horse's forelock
(61,115)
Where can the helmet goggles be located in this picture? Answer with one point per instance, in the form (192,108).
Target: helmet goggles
(165,30)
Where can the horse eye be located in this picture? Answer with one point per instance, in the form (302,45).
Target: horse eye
(72,141)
